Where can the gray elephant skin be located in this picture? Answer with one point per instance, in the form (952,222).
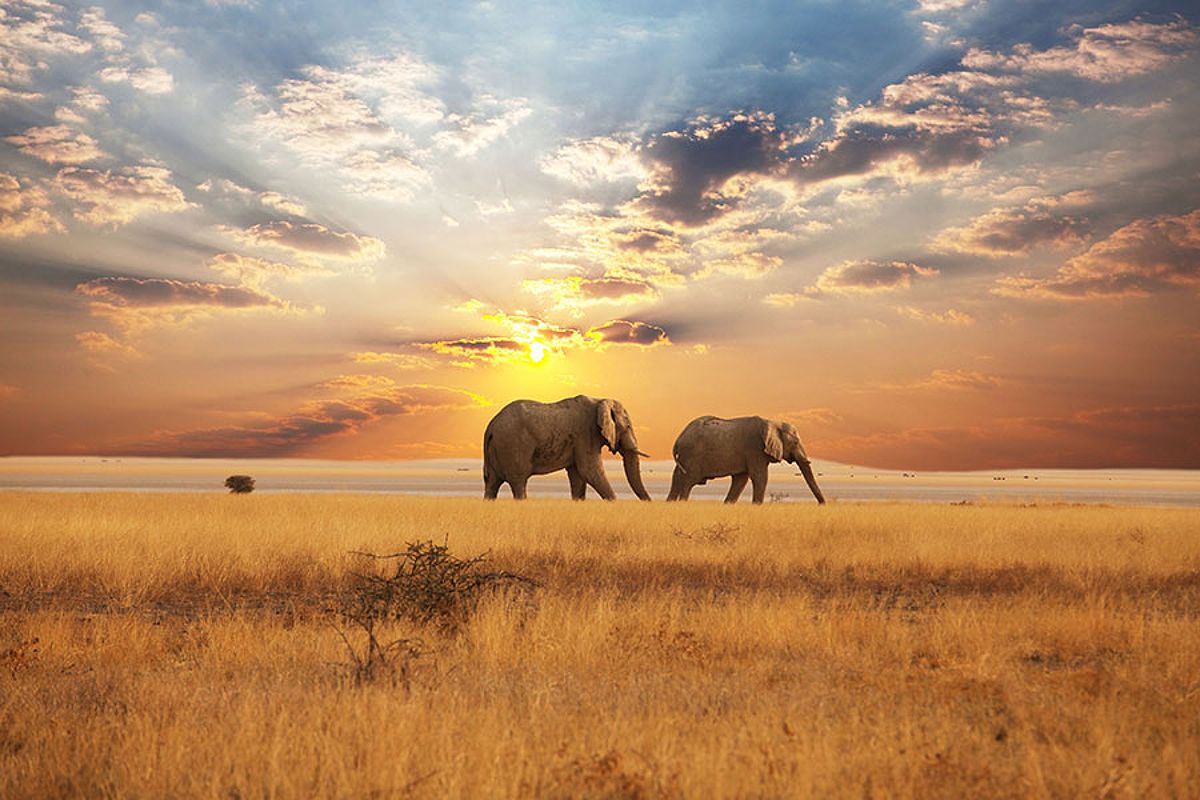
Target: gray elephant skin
(530,438)
(712,447)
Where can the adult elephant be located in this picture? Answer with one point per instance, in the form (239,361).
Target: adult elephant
(711,447)
(530,438)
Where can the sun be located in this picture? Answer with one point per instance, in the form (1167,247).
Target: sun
(537,352)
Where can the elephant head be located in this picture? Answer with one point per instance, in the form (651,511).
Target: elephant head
(781,442)
(616,429)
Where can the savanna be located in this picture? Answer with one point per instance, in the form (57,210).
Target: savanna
(196,645)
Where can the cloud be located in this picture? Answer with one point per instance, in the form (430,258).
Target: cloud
(319,116)
(904,155)
(575,292)
(360,405)
(229,190)
(282,203)
(692,170)
(528,339)
(950,316)
(137,66)
(57,144)
(163,292)
(1166,436)
(1106,53)
(600,159)
(922,128)
(24,209)
(958,380)
(1016,231)
(619,243)
(151,80)
(396,360)
(104,34)
(813,416)
(717,189)
(88,99)
(868,277)
(31,32)
(135,305)
(486,350)
(1144,257)
(388,175)
(311,239)
(785,299)
(620,331)
(742,265)
(254,272)
(339,119)
(103,347)
(18,95)
(471,133)
(116,197)
(85,101)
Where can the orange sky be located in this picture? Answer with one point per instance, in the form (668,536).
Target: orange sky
(947,237)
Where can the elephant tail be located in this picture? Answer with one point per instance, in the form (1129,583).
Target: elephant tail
(675,455)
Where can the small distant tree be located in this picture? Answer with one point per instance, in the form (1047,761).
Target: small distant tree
(239,484)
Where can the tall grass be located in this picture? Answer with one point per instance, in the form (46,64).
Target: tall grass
(184,646)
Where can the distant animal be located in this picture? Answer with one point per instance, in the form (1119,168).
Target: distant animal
(712,447)
(530,438)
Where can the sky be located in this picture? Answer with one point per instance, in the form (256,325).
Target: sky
(935,234)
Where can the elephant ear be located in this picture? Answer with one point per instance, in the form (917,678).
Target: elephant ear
(606,423)
(772,444)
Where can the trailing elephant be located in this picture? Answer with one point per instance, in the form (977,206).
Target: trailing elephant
(530,438)
(711,447)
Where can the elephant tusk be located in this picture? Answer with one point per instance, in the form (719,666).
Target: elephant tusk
(643,455)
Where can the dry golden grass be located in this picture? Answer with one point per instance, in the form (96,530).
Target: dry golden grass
(182,646)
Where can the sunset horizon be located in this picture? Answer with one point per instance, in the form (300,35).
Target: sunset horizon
(943,235)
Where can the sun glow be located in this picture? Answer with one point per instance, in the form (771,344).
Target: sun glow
(537,352)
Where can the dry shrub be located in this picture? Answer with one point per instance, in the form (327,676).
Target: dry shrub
(428,587)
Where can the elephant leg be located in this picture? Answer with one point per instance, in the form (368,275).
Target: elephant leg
(736,486)
(578,484)
(758,481)
(518,487)
(595,477)
(491,488)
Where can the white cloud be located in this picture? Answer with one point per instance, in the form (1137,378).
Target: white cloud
(595,160)
(57,144)
(115,197)
(472,133)
(1105,53)
(24,209)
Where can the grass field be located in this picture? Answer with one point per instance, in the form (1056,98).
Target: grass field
(159,645)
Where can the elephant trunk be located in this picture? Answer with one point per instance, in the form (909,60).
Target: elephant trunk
(810,479)
(633,473)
